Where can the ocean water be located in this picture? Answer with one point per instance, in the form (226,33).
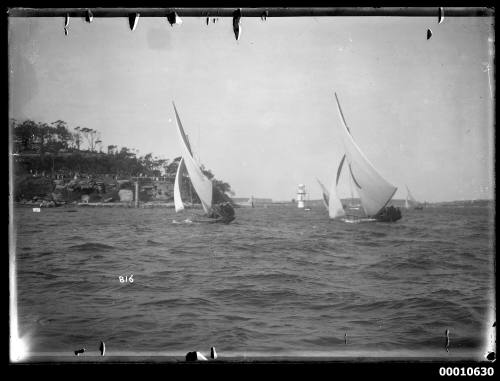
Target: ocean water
(276,281)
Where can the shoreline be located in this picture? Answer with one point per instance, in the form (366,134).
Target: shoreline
(169,205)
(127,204)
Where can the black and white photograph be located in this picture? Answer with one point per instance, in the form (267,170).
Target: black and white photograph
(246,184)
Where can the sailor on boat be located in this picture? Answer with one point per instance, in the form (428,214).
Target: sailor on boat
(222,208)
(223,212)
(388,214)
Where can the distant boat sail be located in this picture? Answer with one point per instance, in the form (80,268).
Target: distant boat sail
(202,184)
(410,201)
(374,191)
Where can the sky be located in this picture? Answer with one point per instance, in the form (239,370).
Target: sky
(260,112)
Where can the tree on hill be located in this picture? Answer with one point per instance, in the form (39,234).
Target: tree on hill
(91,135)
(62,134)
(40,137)
(77,137)
(112,149)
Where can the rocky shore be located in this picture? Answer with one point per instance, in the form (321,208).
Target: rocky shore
(52,204)
(108,191)
(41,203)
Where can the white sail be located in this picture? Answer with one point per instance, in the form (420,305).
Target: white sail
(202,185)
(374,191)
(335,208)
(410,200)
(325,193)
(179,205)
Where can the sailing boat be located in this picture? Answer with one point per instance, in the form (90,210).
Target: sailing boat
(202,184)
(411,202)
(374,191)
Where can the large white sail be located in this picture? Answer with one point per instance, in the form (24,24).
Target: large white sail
(202,184)
(324,193)
(179,205)
(374,191)
(335,208)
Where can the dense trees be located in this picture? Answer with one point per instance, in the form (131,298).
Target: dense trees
(55,148)
(35,137)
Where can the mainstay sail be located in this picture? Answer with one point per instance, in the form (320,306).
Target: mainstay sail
(202,184)
(374,191)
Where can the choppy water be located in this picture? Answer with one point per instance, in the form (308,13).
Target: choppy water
(278,279)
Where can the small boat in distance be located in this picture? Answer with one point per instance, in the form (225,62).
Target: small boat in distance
(410,201)
(203,186)
(374,191)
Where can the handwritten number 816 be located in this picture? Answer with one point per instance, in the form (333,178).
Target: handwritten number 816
(126,279)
